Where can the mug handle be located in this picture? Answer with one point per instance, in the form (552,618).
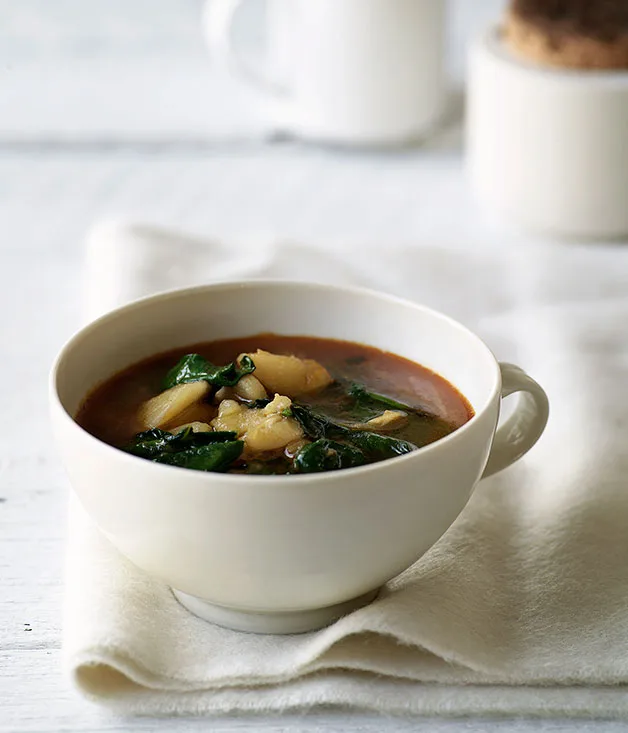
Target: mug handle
(525,426)
(218,20)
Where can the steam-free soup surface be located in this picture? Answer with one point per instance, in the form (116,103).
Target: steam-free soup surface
(355,404)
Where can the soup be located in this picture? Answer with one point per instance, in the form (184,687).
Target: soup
(276,405)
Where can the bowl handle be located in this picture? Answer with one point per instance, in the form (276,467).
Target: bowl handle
(525,426)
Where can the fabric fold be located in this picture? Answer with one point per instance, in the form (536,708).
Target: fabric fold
(521,608)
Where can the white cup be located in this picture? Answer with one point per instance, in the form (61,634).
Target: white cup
(548,148)
(282,554)
(359,72)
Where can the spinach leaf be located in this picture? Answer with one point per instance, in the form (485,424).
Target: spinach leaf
(328,455)
(315,425)
(150,443)
(188,437)
(208,457)
(355,360)
(362,396)
(378,447)
(211,451)
(195,368)
(338,446)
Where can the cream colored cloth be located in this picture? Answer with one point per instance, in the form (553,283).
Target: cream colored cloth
(522,608)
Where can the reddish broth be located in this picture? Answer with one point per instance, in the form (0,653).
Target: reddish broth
(109,411)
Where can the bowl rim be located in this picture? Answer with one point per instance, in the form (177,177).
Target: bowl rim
(289,479)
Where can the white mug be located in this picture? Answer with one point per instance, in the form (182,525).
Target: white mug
(548,148)
(359,72)
(283,554)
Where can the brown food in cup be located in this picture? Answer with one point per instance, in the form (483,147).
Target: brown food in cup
(573,34)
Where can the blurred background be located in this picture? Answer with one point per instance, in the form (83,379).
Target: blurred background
(113,108)
(109,70)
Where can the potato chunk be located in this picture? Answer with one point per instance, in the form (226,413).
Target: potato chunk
(197,427)
(161,410)
(293,448)
(250,388)
(262,430)
(199,412)
(289,375)
(224,393)
(389,420)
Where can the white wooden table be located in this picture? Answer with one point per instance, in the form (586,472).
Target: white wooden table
(110,108)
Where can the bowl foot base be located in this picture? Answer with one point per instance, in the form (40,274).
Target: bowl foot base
(281,622)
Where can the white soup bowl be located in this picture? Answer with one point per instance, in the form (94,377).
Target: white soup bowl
(282,554)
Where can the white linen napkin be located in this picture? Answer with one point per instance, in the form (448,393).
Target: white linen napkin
(521,608)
